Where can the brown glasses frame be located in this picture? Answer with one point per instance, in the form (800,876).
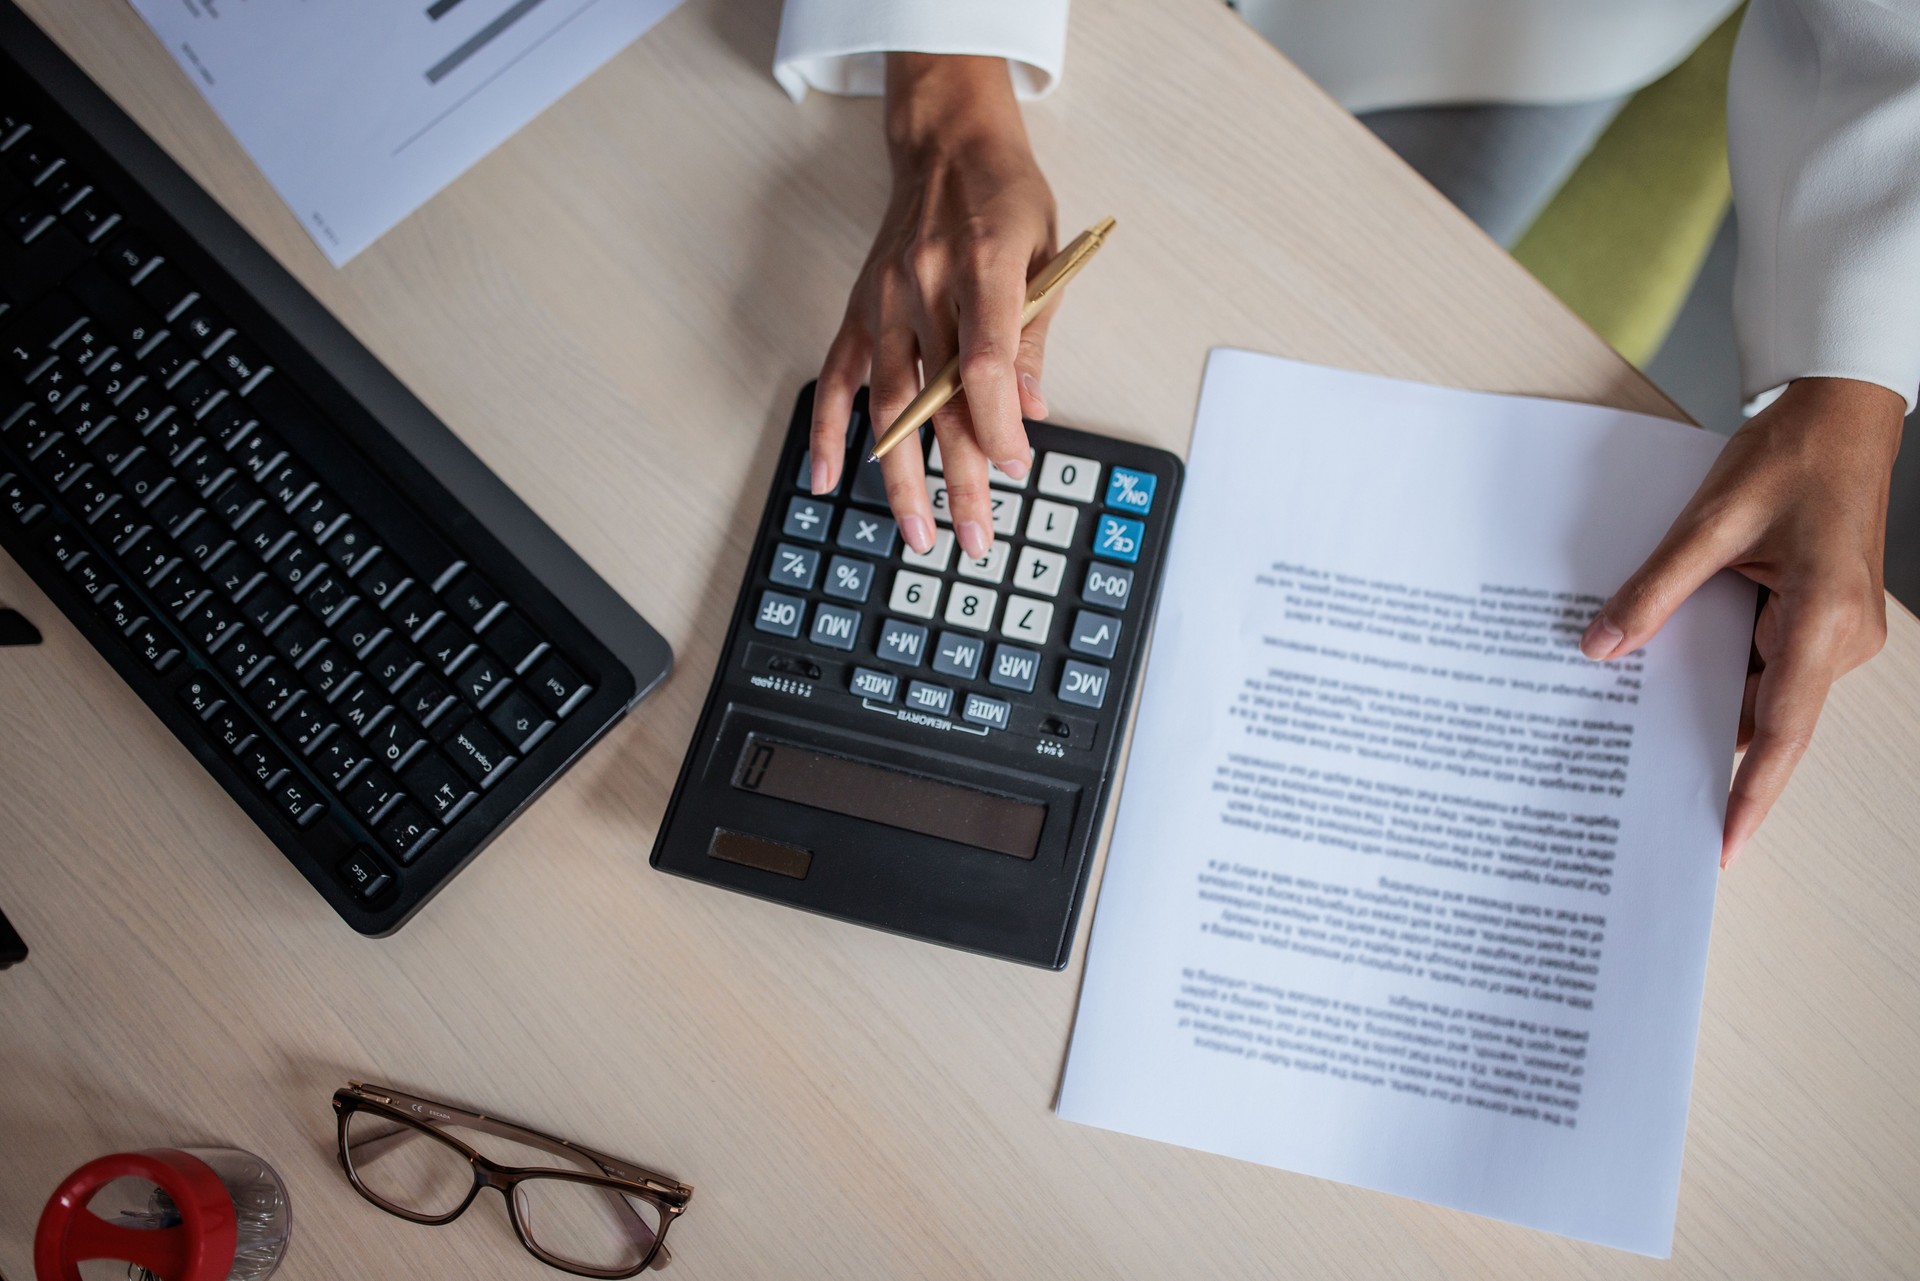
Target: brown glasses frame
(426,1115)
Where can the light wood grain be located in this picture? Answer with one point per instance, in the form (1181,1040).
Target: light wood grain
(615,310)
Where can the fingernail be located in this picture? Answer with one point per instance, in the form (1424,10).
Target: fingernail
(1032,387)
(914,530)
(819,475)
(1602,638)
(1013,468)
(1731,853)
(973,538)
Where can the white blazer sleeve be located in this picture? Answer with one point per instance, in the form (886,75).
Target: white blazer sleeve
(840,46)
(1823,122)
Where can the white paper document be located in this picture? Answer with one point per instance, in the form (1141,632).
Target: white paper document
(358,111)
(1403,891)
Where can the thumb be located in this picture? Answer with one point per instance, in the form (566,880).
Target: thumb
(1690,554)
(1027,362)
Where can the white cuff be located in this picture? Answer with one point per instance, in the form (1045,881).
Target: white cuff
(840,46)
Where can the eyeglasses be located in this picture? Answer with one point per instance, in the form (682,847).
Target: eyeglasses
(574,1209)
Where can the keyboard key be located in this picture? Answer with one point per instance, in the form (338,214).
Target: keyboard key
(406,832)
(446,646)
(298,638)
(868,532)
(116,524)
(779,614)
(155,645)
(1130,490)
(272,690)
(969,606)
(437,786)
(327,669)
(1095,634)
(296,798)
(143,406)
(1040,571)
(66,549)
(934,700)
(519,721)
(327,593)
(795,567)
(200,326)
(959,655)
(556,685)
(362,627)
(210,623)
(166,289)
(167,359)
(365,876)
(991,712)
(1107,585)
(90,576)
(1014,668)
(1006,512)
(200,696)
(915,594)
(380,578)
(512,639)
(477,753)
(295,563)
(360,704)
(994,475)
(1067,476)
(267,606)
(20,502)
(122,612)
(204,543)
(265,531)
(179,589)
(241,656)
(305,724)
(835,626)
(146,556)
(238,362)
(340,758)
(1083,684)
(288,483)
(350,544)
(1118,538)
(92,216)
(425,698)
(990,568)
(395,741)
(480,679)
(806,519)
(116,307)
(1027,620)
(899,642)
(881,687)
(262,763)
(1052,523)
(415,609)
(237,502)
(174,509)
(258,452)
(236,573)
(196,392)
(232,729)
(848,579)
(936,559)
(316,513)
(370,793)
(391,663)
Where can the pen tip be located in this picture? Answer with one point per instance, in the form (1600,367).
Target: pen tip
(873,458)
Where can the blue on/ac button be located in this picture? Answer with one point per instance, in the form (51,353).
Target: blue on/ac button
(1117,538)
(1129,490)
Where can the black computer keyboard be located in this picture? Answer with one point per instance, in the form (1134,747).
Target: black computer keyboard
(258,528)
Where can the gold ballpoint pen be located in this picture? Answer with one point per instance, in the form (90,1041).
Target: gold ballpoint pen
(944,385)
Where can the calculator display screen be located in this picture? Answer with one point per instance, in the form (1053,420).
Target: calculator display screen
(912,802)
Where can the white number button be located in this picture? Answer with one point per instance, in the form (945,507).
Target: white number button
(937,495)
(994,475)
(936,560)
(1027,620)
(915,594)
(1052,523)
(1006,513)
(1040,571)
(972,607)
(1064,476)
(990,568)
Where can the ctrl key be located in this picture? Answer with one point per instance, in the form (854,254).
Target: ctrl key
(365,876)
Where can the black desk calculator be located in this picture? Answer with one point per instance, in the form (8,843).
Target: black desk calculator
(927,743)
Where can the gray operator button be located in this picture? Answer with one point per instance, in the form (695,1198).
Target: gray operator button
(779,614)
(901,642)
(806,518)
(881,687)
(835,627)
(936,700)
(849,579)
(991,712)
(1107,585)
(956,654)
(1094,634)
(795,567)
(1083,684)
(867,532)
(1014,668)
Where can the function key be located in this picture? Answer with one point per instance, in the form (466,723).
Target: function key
(477,753)
(835,627)
(298,800)
(969,606)
(915,594)
(881,687)
(1095,634)
(156,646)
(957,655)
(201,696)
(806,519)
(936,559)
(556,685)
(470,598)
(848,579)
(904,643)
(1027,620)
(519,721)
(991,712)
(1130,490)
(1067,476)
(1040,571)
(263,764)
(1118,538)
(1014,668)
(1083,684)
(19,502)
(35,158)
(990,568)
(1107,585)
(779,614)
(513,640)
(869,532)
(364,875)
(1052,523)
(934,700)
(232,730)
(795,567)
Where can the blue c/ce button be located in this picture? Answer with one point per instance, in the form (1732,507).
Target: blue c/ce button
(1118,538)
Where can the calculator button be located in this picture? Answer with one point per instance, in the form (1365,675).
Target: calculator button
(779,614)
(990,568)
(936,700)
(806,518)
(848,579)
(1040,571)
(882,687)
(991,712)
(869,482)
(915,594)
(1130,490)
(1107,585)
(867,532)
(1027,619)
(994,475)
(1095,634)
(835,627)
(1083,684)
(1006,513)
(937,497)
(936,559)
(973,607)
(804,479)
(1052,523)
(1118,538)
(958,655)
(1014,668)
(795,567)
(901,642)
(1065,476)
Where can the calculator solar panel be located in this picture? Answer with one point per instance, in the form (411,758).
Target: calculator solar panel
(927,743)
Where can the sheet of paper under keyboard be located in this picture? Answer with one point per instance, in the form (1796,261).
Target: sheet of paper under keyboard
(1403,891)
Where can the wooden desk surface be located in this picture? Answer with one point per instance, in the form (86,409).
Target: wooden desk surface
(615,310)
